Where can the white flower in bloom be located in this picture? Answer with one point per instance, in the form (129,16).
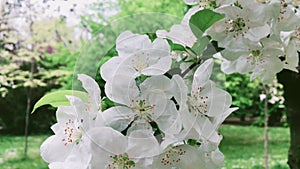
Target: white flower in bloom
(181,156)
(110,149)
(72,123)
(69,132)
(282,15)
(150,103)
(207,106)
(244,20)
(261,58)
(138,56)
(191,157)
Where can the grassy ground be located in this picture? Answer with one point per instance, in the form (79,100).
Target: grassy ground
(242,146)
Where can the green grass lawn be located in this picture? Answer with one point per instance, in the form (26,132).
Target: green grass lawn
(242,146)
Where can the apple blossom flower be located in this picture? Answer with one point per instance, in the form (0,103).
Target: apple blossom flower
(110,149)
(69,132)
(72,123)
(282,16)
(260,58)
(138,56)
(150,102)
(192,157)
(205,107)
(243,20)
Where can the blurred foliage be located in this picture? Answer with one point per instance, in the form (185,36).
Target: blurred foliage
(36,56)
(57,59)
(248,96)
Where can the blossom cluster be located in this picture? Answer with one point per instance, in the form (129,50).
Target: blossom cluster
(164,118)
(262,37)
(157,121)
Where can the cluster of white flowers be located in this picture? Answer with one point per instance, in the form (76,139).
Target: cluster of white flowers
(262,37)
(153,120)
(166,120)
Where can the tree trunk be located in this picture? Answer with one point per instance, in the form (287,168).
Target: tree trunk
(27,122)
(28,110)
(266,112)
(291,82)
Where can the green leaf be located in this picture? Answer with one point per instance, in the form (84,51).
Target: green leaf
(175,46)
(203,19)
(58,98)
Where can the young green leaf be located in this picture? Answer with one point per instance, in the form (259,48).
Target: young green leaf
(203,19)
(59,98)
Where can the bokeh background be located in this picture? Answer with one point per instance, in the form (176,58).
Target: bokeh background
(45,43)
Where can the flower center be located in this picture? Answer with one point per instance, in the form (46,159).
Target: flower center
(255,56)
(140,61)
(237,26)
(71,133)
(121,161)
(142,109)
(173,156)
(197,103)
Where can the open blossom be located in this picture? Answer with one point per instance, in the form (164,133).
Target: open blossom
(207,156)
(242,21)
(148,103)
(69,132)
(110,149)
(282,16)
(262,59)
(138,56)
(204,106)
(72,123)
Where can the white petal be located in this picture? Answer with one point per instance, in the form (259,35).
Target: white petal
(203,73)
(136,144)
(118,117)
(121,89)
(189,158)
(257,33)
(243,65)
(191,2)
(53,149)
(168,118)
(91,86)
(107,139)
(129,43)
(180,90)
(161,45)
(157,84)
(217,158)
(159,68)
(108,68)
(219,102)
